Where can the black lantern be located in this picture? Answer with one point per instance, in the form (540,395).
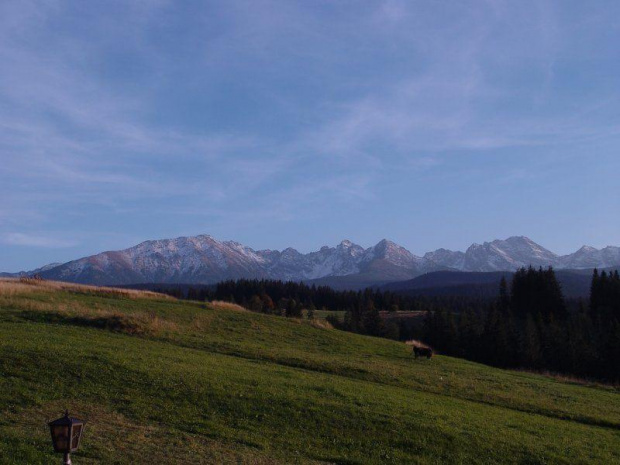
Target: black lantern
(66,434)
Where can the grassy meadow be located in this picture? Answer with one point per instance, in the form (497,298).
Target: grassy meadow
(167,381)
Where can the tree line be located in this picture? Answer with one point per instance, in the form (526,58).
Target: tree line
(289,298)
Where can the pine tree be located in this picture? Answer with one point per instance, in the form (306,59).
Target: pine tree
(537,292)
(256,304)
(504,297)
(292,309)
(496,341)
(529,344)
(268,305)
(469,334)
(373,324)
(311,309)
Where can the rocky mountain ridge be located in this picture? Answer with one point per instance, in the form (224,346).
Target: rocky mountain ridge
(204,259)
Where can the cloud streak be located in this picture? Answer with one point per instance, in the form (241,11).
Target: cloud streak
(29,240)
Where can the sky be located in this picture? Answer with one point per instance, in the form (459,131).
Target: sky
(302,123)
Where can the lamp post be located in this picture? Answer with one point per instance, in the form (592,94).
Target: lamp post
(66,434)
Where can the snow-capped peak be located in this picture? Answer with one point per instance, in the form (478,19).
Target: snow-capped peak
(204,259)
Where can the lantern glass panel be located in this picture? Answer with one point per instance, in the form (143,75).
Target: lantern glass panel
(60,437)
(76,435)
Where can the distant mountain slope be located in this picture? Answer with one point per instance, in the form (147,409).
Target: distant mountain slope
(449,278)
(205,260)
(31,272)
(463,283)
(575,283)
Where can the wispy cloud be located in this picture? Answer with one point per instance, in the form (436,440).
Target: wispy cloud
(235,114)
(29,240)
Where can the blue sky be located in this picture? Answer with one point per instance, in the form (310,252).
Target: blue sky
(284,123)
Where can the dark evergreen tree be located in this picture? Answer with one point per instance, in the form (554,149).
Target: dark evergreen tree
(293,310)
(256,303)
(311,310)
(496,338)
(504,296)
(537,292)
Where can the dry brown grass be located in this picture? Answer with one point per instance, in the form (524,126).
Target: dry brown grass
(21,296)
(201,322)
(417,343)
(15,286)
(228,306)
(137,323)
(322,324)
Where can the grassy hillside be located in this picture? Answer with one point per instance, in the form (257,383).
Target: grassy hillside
(165,381)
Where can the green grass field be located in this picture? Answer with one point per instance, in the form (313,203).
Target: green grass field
(166,381)
(323,314)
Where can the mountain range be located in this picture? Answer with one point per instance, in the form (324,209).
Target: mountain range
(204,260)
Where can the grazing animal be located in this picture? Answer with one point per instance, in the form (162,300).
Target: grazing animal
(422,351)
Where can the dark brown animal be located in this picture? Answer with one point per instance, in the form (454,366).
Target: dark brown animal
(422,352)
